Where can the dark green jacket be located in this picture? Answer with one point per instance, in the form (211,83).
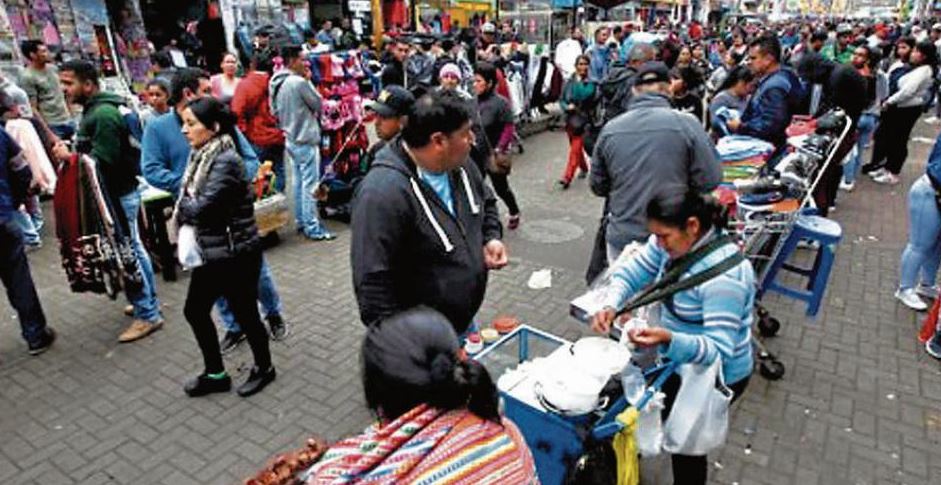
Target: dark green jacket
(103,134)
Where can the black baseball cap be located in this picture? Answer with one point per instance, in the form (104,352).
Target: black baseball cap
(392,101)
(652,72)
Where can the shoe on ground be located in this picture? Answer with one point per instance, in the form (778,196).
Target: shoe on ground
(32,246)
(513,222)
(323,236)
(564,184)
(874,172)
(230,341)
(930,292)
(257,380)
(932,120)
(933,347)
(910,299)
(44,343)
(203,385)
(129,311)
(886,178)
(279,329)
(583,175)
(138,330)
(847,187)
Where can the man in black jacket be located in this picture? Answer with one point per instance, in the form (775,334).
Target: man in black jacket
(425,227)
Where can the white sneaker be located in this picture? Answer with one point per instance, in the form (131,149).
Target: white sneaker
(847,187)
(929,292)
(910,298)
(932,120)
(877,173)
(886,178)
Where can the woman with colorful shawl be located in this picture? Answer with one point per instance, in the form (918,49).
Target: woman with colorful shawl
(438,418)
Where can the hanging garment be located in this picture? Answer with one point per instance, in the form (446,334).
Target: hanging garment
(25,135)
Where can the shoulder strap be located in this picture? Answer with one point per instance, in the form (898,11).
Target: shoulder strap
(671,282)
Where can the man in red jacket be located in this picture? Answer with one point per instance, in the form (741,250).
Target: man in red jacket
(250,104)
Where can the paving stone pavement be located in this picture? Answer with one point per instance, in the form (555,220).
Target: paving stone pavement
(859,403)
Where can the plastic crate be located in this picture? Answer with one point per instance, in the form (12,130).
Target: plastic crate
(556,441)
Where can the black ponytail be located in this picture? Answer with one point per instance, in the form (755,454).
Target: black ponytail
(675,205)
(415,358)
(217,116)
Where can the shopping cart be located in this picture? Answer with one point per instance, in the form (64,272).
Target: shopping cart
(770,204)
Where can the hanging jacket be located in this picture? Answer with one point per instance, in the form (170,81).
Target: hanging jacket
(407,247)
(250,104)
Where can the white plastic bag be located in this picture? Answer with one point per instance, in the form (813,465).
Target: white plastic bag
(649,432)
(699,420)
(187,248)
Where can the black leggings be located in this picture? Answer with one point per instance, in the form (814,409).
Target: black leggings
(235,279)
(891,138)
(502,187)
(691,470)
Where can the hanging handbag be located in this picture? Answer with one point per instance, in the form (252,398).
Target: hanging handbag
(699,420)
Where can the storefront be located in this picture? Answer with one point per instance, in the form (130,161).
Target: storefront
(108,32)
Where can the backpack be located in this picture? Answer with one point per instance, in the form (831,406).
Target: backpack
(616,91)
(420,69)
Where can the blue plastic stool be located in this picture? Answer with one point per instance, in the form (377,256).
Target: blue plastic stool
(810,228)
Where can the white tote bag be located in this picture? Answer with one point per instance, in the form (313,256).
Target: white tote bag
(187,248)
(699,420)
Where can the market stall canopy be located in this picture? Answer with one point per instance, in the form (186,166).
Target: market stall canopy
(566,3)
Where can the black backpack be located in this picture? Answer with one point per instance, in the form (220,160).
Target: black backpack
(616,91)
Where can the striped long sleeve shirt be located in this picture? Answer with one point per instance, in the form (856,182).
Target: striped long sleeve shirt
(712,319)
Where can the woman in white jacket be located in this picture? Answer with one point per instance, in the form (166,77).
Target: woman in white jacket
(900,111)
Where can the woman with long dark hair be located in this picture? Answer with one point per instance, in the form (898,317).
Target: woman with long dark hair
(215,200)
(701,324)
(733,96)
(434,406)
(497,121)
(900,112)
(579,102)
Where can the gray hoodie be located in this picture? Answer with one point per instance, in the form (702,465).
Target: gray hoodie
(296,104)
(640,152)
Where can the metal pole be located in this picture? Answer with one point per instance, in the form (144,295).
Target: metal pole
(377,24)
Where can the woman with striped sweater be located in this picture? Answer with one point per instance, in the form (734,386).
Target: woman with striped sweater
(706,322)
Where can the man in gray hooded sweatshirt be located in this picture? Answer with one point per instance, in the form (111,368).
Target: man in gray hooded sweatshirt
(648,147)
(296,104)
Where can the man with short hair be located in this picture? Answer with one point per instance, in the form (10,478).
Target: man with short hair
(296,104)
(425,226)
(165,153)
(567,51)
(40,80)
(325,34)
(777,98)
(104,135)
(14,266)
(649,146)
(394,71)
(600,55)
(252,106)
(840,51)
(617,87)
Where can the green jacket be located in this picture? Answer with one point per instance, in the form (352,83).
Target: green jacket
(103,134)
(843,57)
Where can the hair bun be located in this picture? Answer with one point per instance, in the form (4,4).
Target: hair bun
(442,368)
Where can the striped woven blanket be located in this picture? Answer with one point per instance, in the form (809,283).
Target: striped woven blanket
(429,446)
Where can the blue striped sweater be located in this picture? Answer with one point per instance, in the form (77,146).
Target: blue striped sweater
(723,305)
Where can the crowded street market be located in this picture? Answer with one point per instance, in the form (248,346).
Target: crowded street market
(549,242)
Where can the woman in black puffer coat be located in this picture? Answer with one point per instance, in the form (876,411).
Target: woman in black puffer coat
(216,201)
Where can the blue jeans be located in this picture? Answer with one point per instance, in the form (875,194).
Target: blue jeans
(267,296)
(16,277)
(923,252)
(306,177)
(65,131)
(865,128)
(28,229)
(146,305)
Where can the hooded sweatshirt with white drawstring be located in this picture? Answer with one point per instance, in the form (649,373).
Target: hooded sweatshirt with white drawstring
(410,247)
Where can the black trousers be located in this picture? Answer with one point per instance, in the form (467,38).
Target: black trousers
(18,281)
(502,187)
(235,279)
(890,148)
(826,191)
(691,470)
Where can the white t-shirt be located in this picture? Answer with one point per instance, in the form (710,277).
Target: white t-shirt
(565,55)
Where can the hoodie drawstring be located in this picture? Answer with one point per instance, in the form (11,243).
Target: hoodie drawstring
(448,247)
(475,209)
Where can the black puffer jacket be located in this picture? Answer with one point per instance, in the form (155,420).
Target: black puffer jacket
(223,213)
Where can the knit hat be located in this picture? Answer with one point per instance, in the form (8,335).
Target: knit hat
(450,69)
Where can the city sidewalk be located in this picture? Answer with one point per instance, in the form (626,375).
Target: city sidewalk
(860,402)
